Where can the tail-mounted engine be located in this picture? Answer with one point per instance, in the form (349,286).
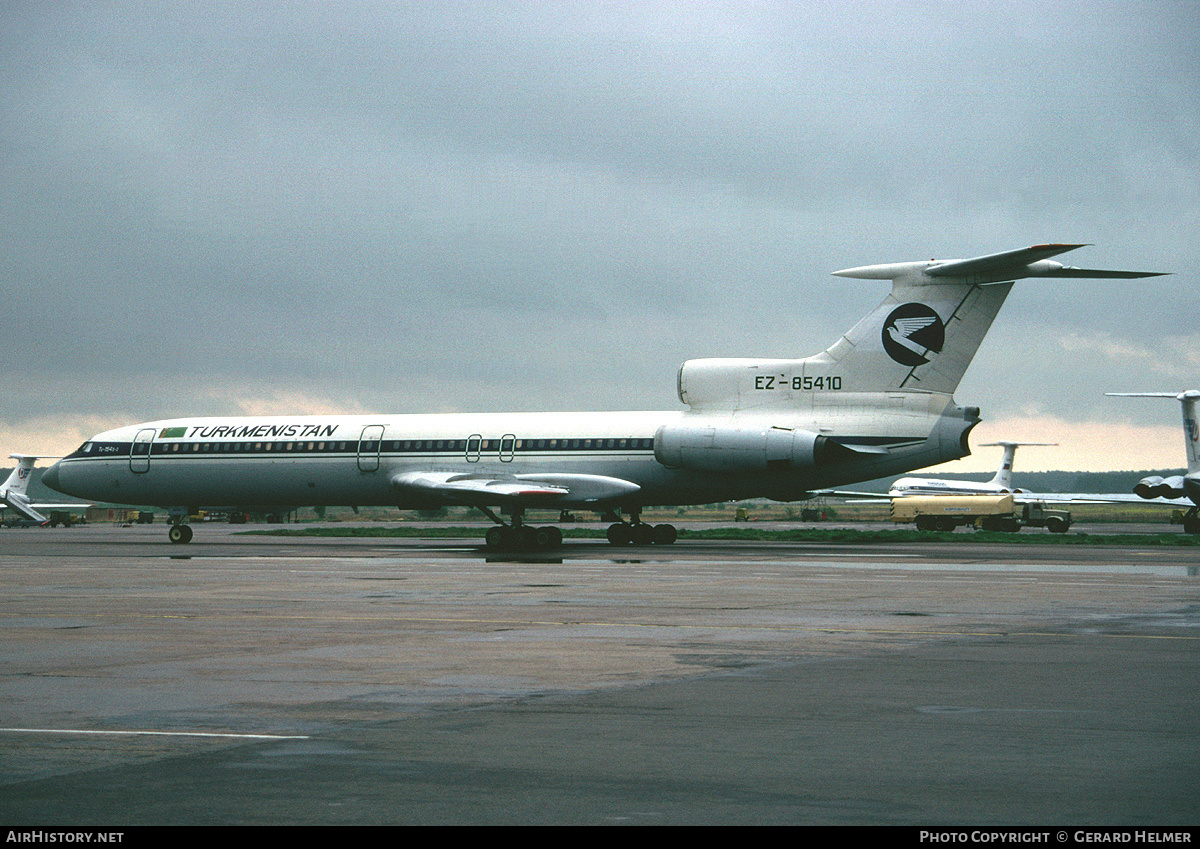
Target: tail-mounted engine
(725,447)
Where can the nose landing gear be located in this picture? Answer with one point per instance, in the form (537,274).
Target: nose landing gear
(179,533)
(178,530)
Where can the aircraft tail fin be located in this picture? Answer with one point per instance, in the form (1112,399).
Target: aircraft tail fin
(12,492)
(922,337)
(1004,475)
(926,332)
(18,480)
(1191,429)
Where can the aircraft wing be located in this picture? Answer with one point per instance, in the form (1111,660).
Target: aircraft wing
(1099,498)
(1019,497)
(1069,498)
(486,488)
(846,493)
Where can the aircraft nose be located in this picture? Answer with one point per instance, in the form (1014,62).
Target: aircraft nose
(50,477)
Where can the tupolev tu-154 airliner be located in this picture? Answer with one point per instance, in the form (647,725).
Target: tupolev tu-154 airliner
(877,402)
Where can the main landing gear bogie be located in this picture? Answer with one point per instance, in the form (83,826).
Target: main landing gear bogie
(641,533)
(523,537)
(517,536)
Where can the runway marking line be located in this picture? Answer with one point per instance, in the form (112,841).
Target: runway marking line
(156,733)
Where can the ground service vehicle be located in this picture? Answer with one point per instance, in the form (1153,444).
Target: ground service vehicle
(985,512)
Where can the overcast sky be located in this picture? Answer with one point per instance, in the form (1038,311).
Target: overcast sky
(227,208)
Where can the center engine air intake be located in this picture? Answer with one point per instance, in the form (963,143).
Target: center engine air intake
(732,448)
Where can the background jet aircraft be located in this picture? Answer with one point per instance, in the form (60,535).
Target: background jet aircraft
(878,402)
(1000,484)
(13,493)
(1185,489)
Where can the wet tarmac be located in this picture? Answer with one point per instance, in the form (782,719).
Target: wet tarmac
(264,680)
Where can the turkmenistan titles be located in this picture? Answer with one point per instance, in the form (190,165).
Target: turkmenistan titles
(250,431)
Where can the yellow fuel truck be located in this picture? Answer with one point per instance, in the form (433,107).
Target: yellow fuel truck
(985,512)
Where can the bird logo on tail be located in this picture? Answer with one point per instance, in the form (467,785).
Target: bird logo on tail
(912,333)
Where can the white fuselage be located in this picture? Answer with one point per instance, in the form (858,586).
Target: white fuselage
(936,486)
(359,460)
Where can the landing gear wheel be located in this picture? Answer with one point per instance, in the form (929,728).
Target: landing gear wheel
(620,534)
(549,537)
(643,534)
(179,533)
(664,535)
(499,537)
(526,537)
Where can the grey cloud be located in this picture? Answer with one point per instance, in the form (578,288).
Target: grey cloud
(544,207)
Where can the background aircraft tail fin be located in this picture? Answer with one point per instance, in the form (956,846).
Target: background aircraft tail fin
(12,491)
(18,480)
(1191,429)
(1004,475)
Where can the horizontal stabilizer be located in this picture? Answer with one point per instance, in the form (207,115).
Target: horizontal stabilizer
(993,268)
(1000,262)
(1193,394)
(1098,273)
